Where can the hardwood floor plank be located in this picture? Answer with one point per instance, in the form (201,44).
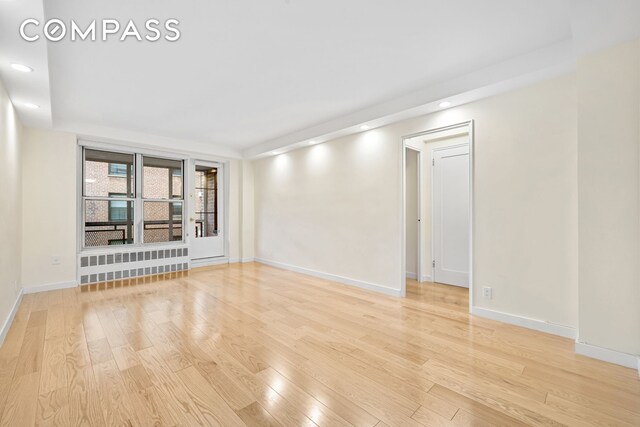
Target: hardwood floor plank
(312,408)
(125,357)
(138,340)
(588,416)
(116,408)
(22,401)
(54,373)
(256,415)
(429,418)
(84,399)
(209,402)
(111,328)
(53,408)
(480,410)
(282,410)
(32,351)
(99,351)
(7,368)
(55,321)
(171,389)
(341,405)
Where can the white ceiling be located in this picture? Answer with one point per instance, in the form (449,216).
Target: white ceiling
(255,75)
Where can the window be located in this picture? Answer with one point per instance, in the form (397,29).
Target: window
(112,208)
(206,187)
(118,208)
(162,189)
(117,169)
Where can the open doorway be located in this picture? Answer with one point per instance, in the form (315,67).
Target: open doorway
(412,212)
(438,232)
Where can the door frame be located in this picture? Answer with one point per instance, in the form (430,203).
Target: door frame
(419,201)
(403,228)
(224,194)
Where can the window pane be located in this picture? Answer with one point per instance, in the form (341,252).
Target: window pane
(108,222)
(106,172)
(162,222)
(206,201)
(162,178)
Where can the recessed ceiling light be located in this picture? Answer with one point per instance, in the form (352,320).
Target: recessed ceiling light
(364,127)
(21,68)
(31,106)
(445,104)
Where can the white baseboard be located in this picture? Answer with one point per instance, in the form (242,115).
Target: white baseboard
(206,262)
(49,287)
(9,320)
(414,276)
(333,277)
(240,260)
(538,325)
(607,355)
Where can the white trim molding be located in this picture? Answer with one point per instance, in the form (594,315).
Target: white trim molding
(49,287)
(426,278)
(9,321)
(206,262)
(240,260)
(411,275)
(595,352)
(538,325)
(333,277)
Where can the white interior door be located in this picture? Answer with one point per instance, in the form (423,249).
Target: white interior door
(207,207)
(451,215)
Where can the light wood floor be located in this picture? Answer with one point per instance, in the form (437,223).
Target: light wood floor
(250,344)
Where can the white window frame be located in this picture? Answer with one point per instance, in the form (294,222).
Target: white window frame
(138,200)
(140,158)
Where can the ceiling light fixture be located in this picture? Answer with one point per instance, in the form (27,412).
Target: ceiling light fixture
(21,68)
(31,106)
(445,104)
(364,127)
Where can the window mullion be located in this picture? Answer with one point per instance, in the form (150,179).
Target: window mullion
(138,210)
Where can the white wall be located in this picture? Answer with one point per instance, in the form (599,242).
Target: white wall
(335,207)
(241,211)
(234,204)
(10,218)
(609,212)
(411,219)
(49,182)
(247,235)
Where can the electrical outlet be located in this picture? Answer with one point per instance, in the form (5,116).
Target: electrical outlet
(55,260)
(487,292)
